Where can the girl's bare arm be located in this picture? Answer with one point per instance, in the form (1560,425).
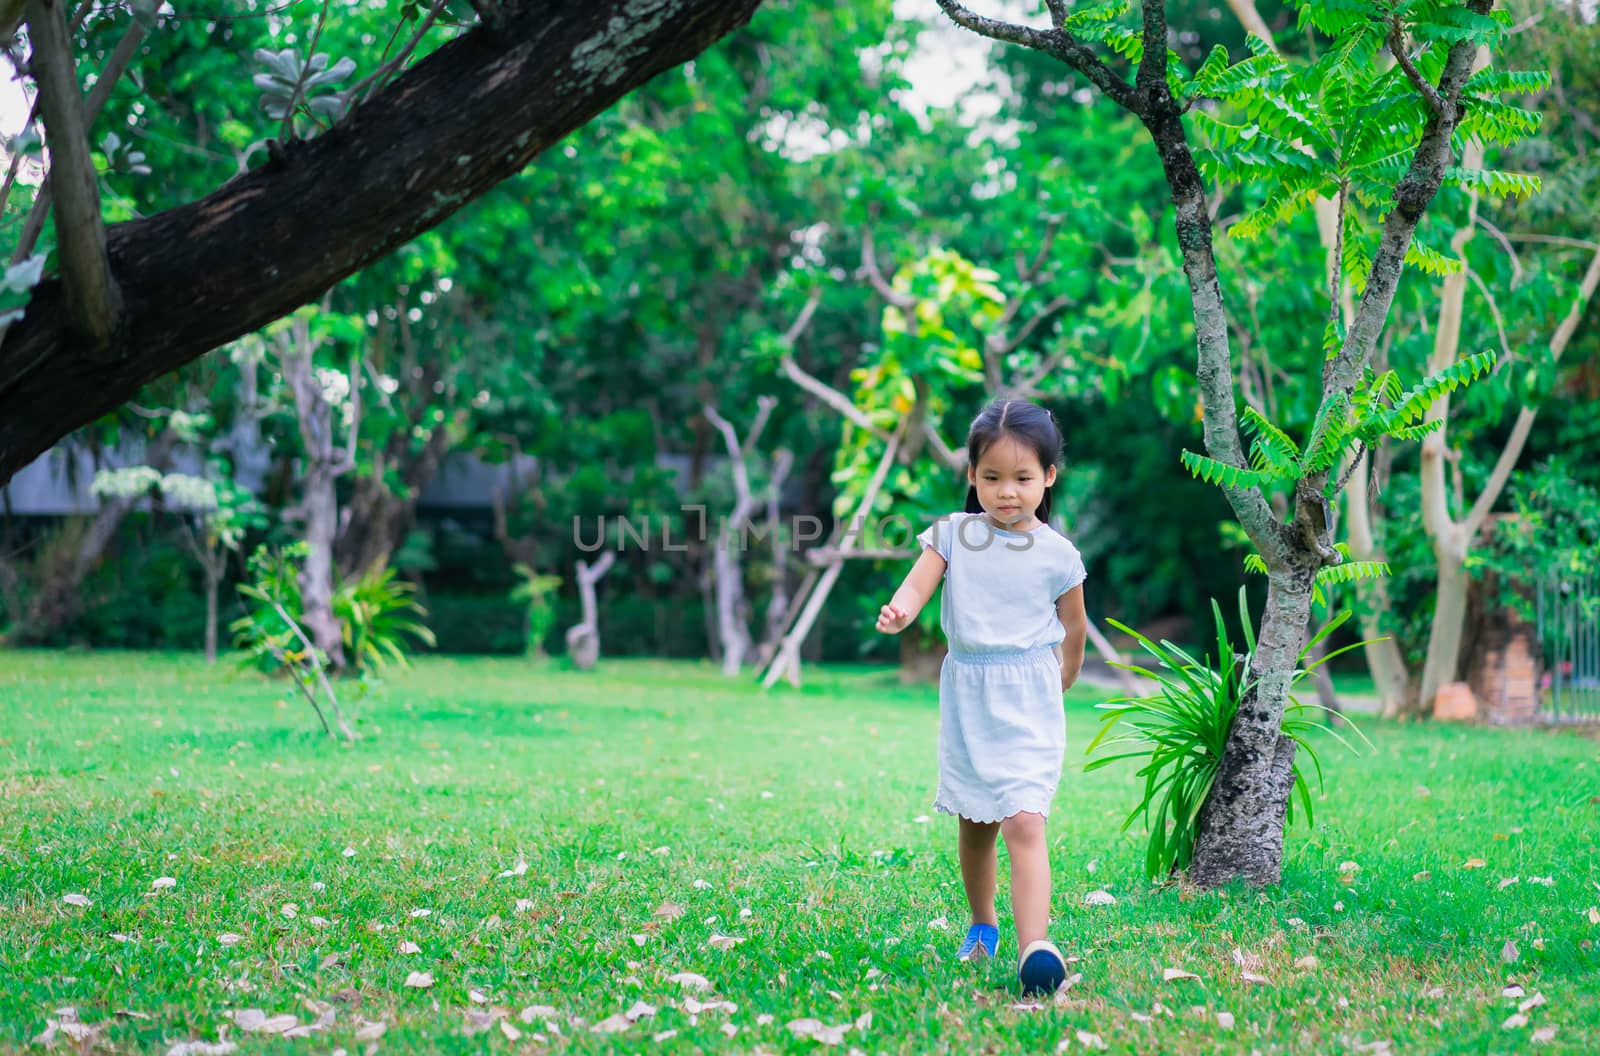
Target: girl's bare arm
(919,585)
(1075,621)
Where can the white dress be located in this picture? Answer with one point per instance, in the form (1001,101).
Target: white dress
(1002,733)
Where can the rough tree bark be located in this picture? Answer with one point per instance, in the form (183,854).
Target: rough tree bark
(1241,825)
(458,122)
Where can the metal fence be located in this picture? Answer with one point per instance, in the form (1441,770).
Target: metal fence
(1568,627)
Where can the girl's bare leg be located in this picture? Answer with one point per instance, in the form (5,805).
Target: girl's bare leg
(977,853)
(1030,876)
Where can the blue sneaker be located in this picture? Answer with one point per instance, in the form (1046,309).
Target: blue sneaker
(983,940)
(1042,969)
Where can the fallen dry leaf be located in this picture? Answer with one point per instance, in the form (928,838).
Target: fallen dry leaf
(1543,881)
(1514,1022)
(161,883)
(1474,863)
(255,1021)
(1306,963)
(1225,1020)
(369,1030)
(1594,915)
(229,938)
(1509,952)
(663,1035)
(939,924)
(729,1029)
(349,852)
(639,1011)
(1170,974)
(203,1048)
(723,942)
(76,900)
(511,1032)
(1252,977)
(1508,881)
(417,914)
(702,885)
(1513,990)
(420,980)
(1532,1003)
(410,947)
(765,1019)
(290,910)
(524,905)
(1419,877)
(533,1012)
(1544,1034)
(518,869)
(691,980)
(669,911)
(477,997)
(1099,898)
(1090,1040)
(613,1024)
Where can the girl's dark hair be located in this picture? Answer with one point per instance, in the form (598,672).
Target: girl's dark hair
(1029,425)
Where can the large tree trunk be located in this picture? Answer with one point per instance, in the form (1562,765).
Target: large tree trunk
(1241,825)
(460,121)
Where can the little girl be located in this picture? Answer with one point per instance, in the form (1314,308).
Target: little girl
(1013,615)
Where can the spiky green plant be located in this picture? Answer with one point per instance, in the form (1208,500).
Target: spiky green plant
(1178,733)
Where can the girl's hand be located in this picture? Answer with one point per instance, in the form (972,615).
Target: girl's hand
(892,620)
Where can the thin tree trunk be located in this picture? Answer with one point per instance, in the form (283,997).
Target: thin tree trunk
(319,503)
(1449,618)
(1390,679)
(583,639)
(320,506)
(213,574)
(1240,829)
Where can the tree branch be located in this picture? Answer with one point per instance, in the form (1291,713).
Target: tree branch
(472,113)
(92,301)
(828,395)
(955,459)
(1411,197)
(1054,42)
(1397,48)
(1152,73)
(374,80)
(869,268)
(116,65)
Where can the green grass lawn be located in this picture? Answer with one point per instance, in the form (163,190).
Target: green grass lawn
(657,806)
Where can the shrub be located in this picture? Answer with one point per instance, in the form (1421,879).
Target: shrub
(1179,733)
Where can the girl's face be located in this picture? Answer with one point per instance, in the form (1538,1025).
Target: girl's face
(1010,483)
